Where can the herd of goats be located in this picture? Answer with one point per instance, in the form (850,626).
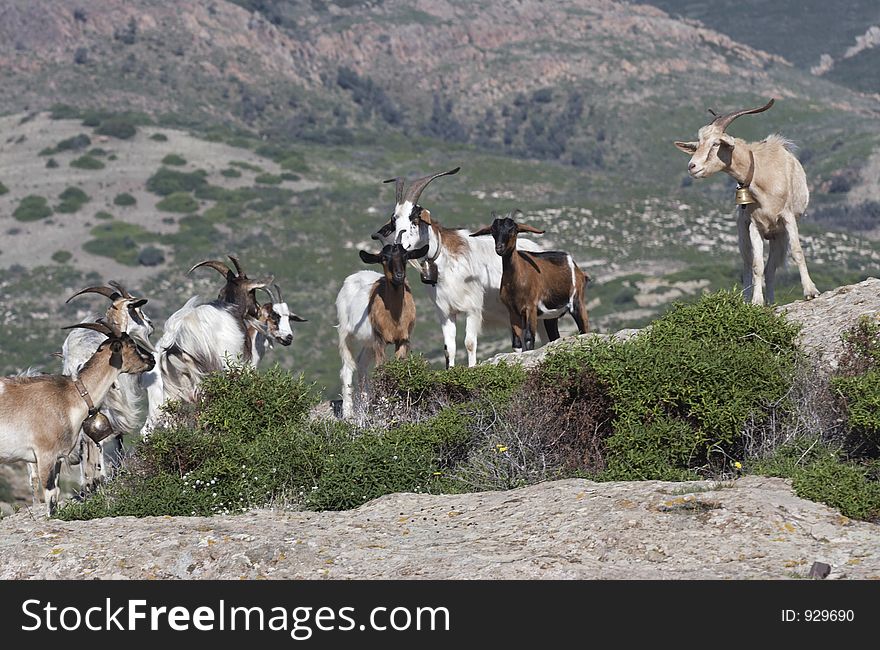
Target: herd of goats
(109,364)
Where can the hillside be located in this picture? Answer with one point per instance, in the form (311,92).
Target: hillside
(566,114)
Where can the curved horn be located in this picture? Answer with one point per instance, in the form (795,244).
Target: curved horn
(724,120)
(238,268)
(278,291)
(416,187)
(399,184)
(118,286)
(250,285)
(97,327)
(107,292)
(218,266)
(399,238)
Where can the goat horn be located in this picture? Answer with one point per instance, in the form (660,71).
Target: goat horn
(724,120)
(278,291)
(218,266)
(399,238)
(416,187)
(399,183)
(238,268)
(107,292)
(97,327)
(250,285)
(118,286)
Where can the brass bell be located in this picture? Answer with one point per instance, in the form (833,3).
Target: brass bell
(97,427)
(744,196)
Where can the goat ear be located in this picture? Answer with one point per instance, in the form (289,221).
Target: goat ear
(521,227)
(425,216)
(298,319)
(369,258)
(139,303)
(687,147)
(257,325)
(727,140)
(485,230)
(116,354)
(417,253)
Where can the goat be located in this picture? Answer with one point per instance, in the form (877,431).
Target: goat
(41,417)
(374,310)
(122,403)
(534,284)
(772,195)
(201,338)
(464,274)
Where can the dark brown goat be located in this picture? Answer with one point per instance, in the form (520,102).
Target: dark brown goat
(536,285)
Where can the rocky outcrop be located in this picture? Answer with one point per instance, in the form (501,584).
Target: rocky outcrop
(822,319)
(750,528)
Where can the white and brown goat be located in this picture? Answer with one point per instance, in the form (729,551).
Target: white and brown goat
(536,284)
(374,310)
(464,274)
(200,338)
(41,416)
(122,405)
(772,195)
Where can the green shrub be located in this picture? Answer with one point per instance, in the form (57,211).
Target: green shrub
(857,382)
(64,112)
(3,189)
(168,181)
(118,240)
(124,199)
(159,137)
(229,172)
(178,202)
(174,160)
(72,199)
(683,390)
(267,179)
(287,176)
(294,162)
(87,162)
(103,215)
(74,143)
(819,472)
(151,256)
(32,208)
(117,127)
(61,257)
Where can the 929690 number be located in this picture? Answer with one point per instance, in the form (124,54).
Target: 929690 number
(828,615)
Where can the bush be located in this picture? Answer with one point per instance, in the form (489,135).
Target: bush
(248,441)
(64,112)
(72,199)
(159,137)
(151,256)
(819,472)
(857,381)
(3,189)
(268,179)
(74,143)
(32,208)
(682,391)
(287,176)
(229,172)
(168,181)
(117,127)
(87,162)
(52,164)
(178,202)
(61,257)
(103,216)
(124,200)
(174,160)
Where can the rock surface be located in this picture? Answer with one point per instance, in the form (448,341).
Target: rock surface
(751,528)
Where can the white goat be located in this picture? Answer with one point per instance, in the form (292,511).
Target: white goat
(123,401)
(374,310)
(464,273)
(201,338)
(772,195)
(41,416)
